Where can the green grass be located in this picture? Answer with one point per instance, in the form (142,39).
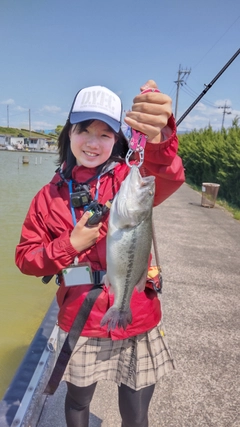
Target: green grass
(230,208)
(24,133)
(233,210)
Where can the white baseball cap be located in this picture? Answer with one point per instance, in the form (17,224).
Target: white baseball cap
(99,103)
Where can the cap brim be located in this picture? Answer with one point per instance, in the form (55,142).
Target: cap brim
(79,117)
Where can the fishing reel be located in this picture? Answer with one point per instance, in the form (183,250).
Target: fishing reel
(98,211)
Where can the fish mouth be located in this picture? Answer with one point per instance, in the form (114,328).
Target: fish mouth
(147,180)
(135,173)
(136,187)
(143,181)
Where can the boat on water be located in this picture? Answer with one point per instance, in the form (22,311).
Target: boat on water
(9,148)
(23,401)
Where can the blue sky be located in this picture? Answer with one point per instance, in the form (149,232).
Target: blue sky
(52,48)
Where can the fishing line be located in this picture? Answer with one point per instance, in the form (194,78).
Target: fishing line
(207,87)
(216,42)
(192,93)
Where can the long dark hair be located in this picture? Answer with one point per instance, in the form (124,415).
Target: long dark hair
(67,158)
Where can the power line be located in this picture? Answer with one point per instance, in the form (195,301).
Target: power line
(207,87)
(193,94)
(217,41)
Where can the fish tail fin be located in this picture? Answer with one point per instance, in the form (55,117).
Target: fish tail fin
(115,317)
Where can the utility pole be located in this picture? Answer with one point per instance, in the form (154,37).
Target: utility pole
(29,123)
(179,82)
(225,108)
(8,116)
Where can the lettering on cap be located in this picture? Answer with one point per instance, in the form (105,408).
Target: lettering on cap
(98,98)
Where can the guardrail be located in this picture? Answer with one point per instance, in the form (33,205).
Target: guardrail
(23,401)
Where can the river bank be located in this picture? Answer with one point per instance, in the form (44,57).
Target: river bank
(24,300)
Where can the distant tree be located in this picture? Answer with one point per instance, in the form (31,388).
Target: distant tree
(58,129)
(235,122)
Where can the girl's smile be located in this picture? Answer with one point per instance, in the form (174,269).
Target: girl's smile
(93,145)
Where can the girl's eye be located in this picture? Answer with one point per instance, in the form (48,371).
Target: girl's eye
(105,135)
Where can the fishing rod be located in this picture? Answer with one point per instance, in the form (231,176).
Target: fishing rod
(207,87)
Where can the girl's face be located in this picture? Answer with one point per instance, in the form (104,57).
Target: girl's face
(93,145)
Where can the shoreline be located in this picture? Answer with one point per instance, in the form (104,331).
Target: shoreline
(14,150)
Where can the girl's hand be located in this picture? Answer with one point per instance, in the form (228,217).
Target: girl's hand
(83,237)
(150,112)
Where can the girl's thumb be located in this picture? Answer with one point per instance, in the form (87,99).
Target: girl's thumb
(85,217)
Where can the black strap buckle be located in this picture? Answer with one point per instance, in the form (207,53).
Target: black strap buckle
(157,284)
(97,276)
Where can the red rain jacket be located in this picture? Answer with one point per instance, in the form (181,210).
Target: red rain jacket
(45,247)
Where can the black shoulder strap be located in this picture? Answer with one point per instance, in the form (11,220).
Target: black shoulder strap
(71,340)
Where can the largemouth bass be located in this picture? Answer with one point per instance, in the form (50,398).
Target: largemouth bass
(129,241)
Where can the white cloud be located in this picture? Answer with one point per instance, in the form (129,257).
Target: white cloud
(35,125)
(222,102)
(43,125)
(200,107)
(203,115)
(51,109)
(19,108)
(235,113)
(8,102)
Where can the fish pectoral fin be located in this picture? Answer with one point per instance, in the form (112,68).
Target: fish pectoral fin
(107,283)
(142,282)
(105,280)
(110,289)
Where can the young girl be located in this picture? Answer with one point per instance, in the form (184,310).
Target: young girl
(92,150)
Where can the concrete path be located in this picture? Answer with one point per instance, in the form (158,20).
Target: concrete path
(200,256)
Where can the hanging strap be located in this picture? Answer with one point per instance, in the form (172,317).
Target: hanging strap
(157,258)
(72,339)
(155,246)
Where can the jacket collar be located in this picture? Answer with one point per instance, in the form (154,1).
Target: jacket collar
(83,174)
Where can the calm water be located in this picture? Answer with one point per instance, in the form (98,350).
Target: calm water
(24,300)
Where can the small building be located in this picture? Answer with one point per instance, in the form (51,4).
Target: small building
(16,142)
(35,143)
(3,141)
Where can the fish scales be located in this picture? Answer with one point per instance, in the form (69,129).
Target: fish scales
(129,242)
(128,272)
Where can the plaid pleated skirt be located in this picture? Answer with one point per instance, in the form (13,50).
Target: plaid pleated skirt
(137,362)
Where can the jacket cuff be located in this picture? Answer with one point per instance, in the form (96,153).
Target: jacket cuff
(64,244)
(168,135)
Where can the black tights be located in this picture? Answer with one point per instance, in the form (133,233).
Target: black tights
(133,405)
